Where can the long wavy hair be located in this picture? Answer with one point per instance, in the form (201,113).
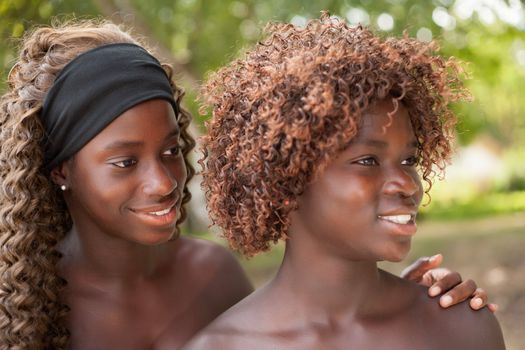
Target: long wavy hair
(294,101)
(33,215)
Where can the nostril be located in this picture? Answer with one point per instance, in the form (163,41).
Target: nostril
(160,182)
(402,184)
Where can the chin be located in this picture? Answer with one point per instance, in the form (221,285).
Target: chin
(396,258)
(396,255)
(156,238)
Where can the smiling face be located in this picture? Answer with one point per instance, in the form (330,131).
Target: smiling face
(128,180)
(363,205)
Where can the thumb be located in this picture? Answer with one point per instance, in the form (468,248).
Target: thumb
(416,270)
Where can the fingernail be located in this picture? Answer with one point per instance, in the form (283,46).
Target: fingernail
(477,302)
(433,258)
(445,300)
(434,291)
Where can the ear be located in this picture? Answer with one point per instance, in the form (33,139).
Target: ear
(60,175)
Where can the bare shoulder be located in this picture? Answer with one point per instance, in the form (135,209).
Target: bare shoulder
(204,255)
(460,327)
(224,332)
(208,340)
(232,331)
(199,253)
(247,325)
(215,269)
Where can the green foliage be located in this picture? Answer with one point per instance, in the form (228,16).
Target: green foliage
(476,206)
(20,15)
(202,35)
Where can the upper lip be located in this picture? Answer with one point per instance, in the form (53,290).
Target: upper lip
(156,208)
(412,213)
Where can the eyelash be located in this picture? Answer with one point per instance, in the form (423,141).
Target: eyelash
(123,162)
(175,153)
(127,163)
(365,161)
(412,161)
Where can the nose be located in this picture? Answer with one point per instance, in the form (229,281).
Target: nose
(159,180)
(402,182)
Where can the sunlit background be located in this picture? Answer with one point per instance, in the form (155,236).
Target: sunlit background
(477,214)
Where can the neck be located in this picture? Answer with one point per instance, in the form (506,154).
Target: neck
(332,285)
(106,257)
(320,278)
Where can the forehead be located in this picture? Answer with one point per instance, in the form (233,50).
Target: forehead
(147,119)
(383,118)
(147,125)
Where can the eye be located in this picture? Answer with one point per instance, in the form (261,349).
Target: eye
(126,163)
(368,161)
(172,151)
(411,161)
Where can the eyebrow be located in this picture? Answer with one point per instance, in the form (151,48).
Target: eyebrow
(382,144)
(131,144)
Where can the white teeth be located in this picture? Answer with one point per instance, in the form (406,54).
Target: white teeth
(398,219)
(160,213)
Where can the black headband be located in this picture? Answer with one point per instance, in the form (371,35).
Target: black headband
(93,90)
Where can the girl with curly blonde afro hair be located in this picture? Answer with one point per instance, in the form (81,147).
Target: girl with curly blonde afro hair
(94,168)
(319,136)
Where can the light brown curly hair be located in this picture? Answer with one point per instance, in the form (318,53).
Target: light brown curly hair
(33,215)
(294,101)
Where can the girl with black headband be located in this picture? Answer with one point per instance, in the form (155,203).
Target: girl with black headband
(94,170)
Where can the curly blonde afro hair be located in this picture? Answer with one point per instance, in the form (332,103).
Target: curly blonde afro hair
(33,214)
(285,109)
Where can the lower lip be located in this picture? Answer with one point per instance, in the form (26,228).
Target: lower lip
(408,229)
(158,220)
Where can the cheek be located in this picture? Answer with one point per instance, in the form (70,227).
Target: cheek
(97,186)
(344,201)
(353,193)
(181,173)
(420,192)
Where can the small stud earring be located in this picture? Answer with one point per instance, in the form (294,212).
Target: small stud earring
(63,187)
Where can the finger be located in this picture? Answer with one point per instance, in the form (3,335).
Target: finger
(493,307)
(417,269)
(445,280)
(479,299)
(458,294)
(431,277)
(427,279)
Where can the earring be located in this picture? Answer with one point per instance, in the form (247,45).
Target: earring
(63,187)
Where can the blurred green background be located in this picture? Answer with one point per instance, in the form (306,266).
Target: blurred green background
(477,213)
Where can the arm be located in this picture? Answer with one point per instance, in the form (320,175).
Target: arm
(425,271)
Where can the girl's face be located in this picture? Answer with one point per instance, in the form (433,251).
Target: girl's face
(364,205)
(128,181)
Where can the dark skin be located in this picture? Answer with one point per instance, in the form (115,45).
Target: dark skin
(129,285)
(359,211)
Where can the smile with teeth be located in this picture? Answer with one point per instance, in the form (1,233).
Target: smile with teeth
(398,219)
(160,213)
(163,218)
